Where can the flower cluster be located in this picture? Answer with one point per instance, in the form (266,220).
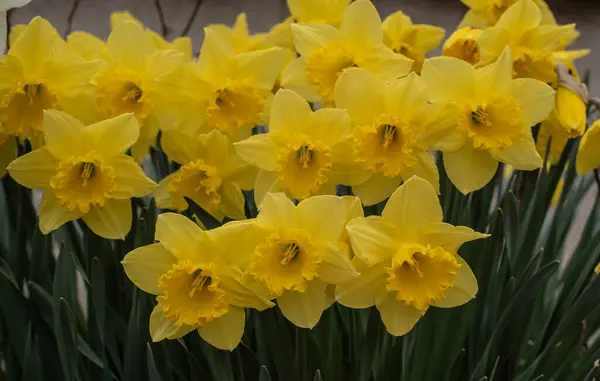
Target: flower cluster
(332,98)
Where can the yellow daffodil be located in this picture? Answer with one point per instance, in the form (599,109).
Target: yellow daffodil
(532,43)
(239,37)
(84,173)
(588,156)
(297,256)
(86,45)
(354,209)
(39,73)
(301,153)
(571,98)
(325,52)
(317,11)
(407,259)
(411,40)
(15,32)
(551,131)
(211,174)
(180,44)
(492,117)
(389,119)
(8,150)
(484,13)
(130,82)
(462,44)
(227,91)
(198,281)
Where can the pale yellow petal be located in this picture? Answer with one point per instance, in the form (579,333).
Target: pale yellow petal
(258,150)
(373,239)
(350,90)
(225,332)
(522,156)
(588,156)
(261,66)
(361,23)
(464,290)
(427,37)
(289,113)
(294,78)
(495,78)
(309,37)
(330,126)
(35,45)
(114,136)
(53,215)
(376,189)
(365,290)
(215,52)
(407,97)
(449,79)
(449,237)
(162,327)
(470,169)
(110,221)
(335,267)
(397,316)
(181,147)
(64,134)
(323,217)
(304,309)
(232,201)
(145,265)
(535,98)
(163,197)
(130,178)
(520,17)
(180,235)
(492,43)
(426,169)
(35,169)
(383,62)
(266,182)
(276,211)
(238,287)
(128,45)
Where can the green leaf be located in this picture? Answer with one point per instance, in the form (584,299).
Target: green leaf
(153,374)
(64,327)
(264,374)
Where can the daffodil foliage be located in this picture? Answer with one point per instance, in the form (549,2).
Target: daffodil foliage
(323,201)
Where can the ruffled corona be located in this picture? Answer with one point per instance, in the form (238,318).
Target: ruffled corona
(535,64)
(286,260)
(198,181)
(462,44)
(80,182)
(386,146)
(237,105)
(324,66)
(120,91)
(21,112)
(191,294)
(303,168)
(421,274)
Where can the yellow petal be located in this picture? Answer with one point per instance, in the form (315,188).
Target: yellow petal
(376,189)
(146,264)
(427,37)
(383,62)
(276,211)
(163,197)
(88,46)
(64,134)
(335,267)
(235,284)
(262,67)
(535,98)
(413,207)
(464,289)
(225,332)
(495,78)
(130,178)
(571,111)
(266,182)
(449,237)
(588,156)
(361,23)
(520,17)
(162,327)
(373,239)
(114,136)
(407,97)
(365,290)
(110,221)
(448,79)
(492,43)
(53,215)
(181,147)
(426,169)
(350,90)
(304,309)
(397,316)
(470,169)
(258,150)
(294,78)
(214,53)
(289,113)
(330,126)
(309,37)
(33,170)
(128,45)
(180,236)
(522,156)
(323,217)
(232,201)
(35,45)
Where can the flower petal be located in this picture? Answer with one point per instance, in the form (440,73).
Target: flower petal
(373,239)
(464,289)
(35,169)
(179,235)
(335,267)
(361,23)
(258,150)
(294,78)
(398,317)
(588,156)
(225,332)
(128,44)
(535,98)
(266,182)
(449,237)
(495,78)
(232,201)
(289,113)
(276,211)
(376,189)
(365,290)
(350,90)
(214,53)
(426,169)
(519,18)
(261,66)
(162,327)
(145,265)
(323,217)
(114,136)
(407,97)
(309,37)
(522,156)
(304,309)
(470,169)
(130,178)
(110,221)
(53,215)
(448,79)
(64,134)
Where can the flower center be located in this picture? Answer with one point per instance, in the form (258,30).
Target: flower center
(303,168)
(199,182)
(325,65)
(421,274)
(119,91)
(234,107)
(80,182)
(464,49)
(191,294)
(534,64)
(285,261)
(494,125)
(387,146)
(22,112)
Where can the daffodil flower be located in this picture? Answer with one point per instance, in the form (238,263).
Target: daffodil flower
(411,40)
(462,44)
(86,45)
(317,11)
(325,52)
(407,259)
(491,115)
(354,210)
(532,43)
(130,82)
(211,174)
(198,281)
(588,156)
(239,37)
(388,124)
(297,258)
(39,73)
(301,155)
(486,13)
(84,173)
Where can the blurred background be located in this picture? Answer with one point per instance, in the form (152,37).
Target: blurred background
(93,16)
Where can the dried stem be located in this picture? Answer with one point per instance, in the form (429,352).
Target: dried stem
(192,18)
(164,28)
(71,17)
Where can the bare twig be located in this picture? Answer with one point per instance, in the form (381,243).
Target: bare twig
(193,15)
(71,17)
(164,28)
